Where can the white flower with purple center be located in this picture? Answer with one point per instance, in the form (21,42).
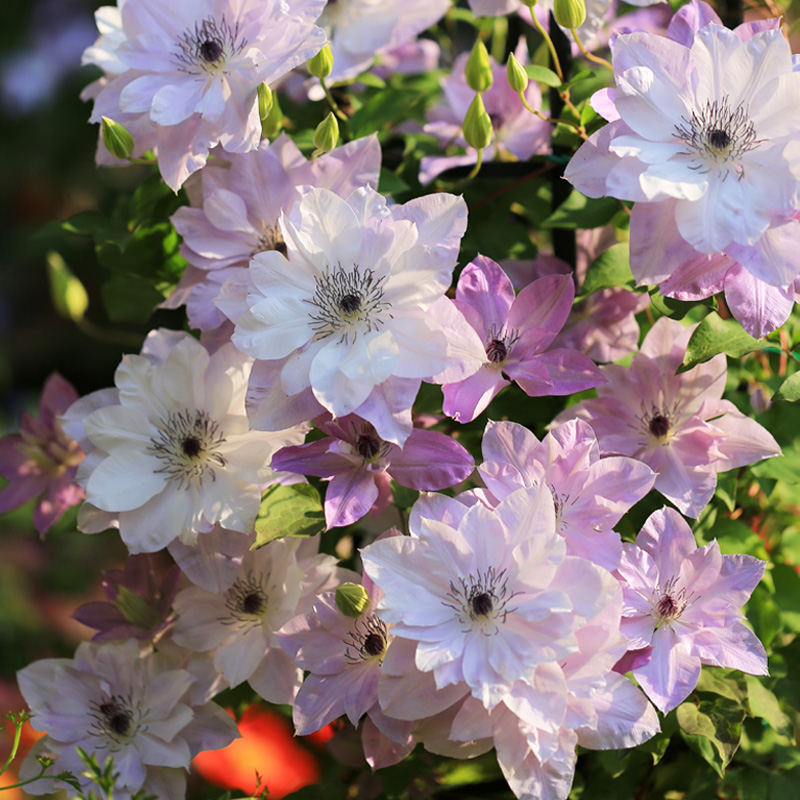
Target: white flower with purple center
(682,603)
(170,452)
(192,70)
(489,598)
(113,703)
(353,304)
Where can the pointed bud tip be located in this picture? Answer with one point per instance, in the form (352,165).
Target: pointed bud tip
(116,138)
(352,599)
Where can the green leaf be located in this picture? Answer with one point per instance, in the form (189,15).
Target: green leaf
(669,307)
(128,298)
(86,223)
(583,75)
(611,268)
(402,496)
(543,75)
(382,110)
(764,705)
(764,614)
(69,297)
(579,211)
(715,335)
(368,79)
(790,389)
(787,595)
(391,183)
(724,682)
(713,730)
(784,468)
(294,510)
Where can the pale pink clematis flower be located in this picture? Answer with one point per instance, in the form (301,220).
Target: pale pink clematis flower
(348,320)
(192,69)
(113,703)
(489,597)
(682,602)
(41,460)
(170,451)
(590,493)
(343,657)
(510,337)
(677,424)
(275,583)
(234,216)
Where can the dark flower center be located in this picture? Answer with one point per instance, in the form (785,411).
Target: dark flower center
(482,604)
(350,303)
(368,446)
(374,644)
(118,719)
(496,351)
(667,607)
(253,603)
(210,50)
(659,426)
(719,139)
(191,446)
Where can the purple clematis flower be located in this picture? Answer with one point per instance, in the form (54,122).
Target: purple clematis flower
(41,460)
(139,605)
(677,424)
(683,602)
(510,336)
(359,465)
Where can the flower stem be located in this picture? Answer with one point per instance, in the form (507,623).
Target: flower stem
(550,46)
(590,56)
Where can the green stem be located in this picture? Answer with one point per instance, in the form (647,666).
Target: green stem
(477,168)
(14,746)
(550,46)
(590,56)
(499,38)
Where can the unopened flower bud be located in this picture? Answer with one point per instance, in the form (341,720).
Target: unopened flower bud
(352,599)
(117,138)
(327,134)
(477,125)
(271,126)
(479,68)
(321,64)
(517,77)
(569,13)
(264,101)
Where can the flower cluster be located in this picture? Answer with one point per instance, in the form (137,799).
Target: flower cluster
(346,341)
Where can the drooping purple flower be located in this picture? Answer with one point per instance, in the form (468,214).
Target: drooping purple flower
(683,602)
(590,493)
(41,460)
(138,605)
(360,465)
(677,424)
(517,133)
(512,337)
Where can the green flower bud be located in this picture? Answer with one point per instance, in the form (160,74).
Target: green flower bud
(477,125)
(321,64)
(264,101)
(479,68)
(117,138)
(517,77)
(327,134)
(271,126)
(352,599)
(569,13)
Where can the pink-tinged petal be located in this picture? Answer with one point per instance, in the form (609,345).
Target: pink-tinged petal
(430,461)
(590,167)
(277,679)
(513,445)
(603,102)
(671,674)
(633,659)
(638,630)
(601,547)
(21,490)
(614,484)
(568,371)
(745,440)
(337,392)
(379,749)
(388,408)
(319,701)
(773,258)
(214,562)
(182,150)
(272,328)
(269,407)
(688,20)
(57,498)
(738,576)
(734,646)
(689,488)
(667,537)
(350,495)
(757,306)
(311,459)
(625,718)
(543,305)
(57,396)
(464,400)
(484,287)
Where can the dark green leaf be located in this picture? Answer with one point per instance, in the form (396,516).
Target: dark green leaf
(715,335)
(86,223)
(790,389)
(669,307)
(579,211)
(787,595)
(712,730)
(128,298)
(583,75)
(724,682)
(294,510)
(784,468)
(611,268)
